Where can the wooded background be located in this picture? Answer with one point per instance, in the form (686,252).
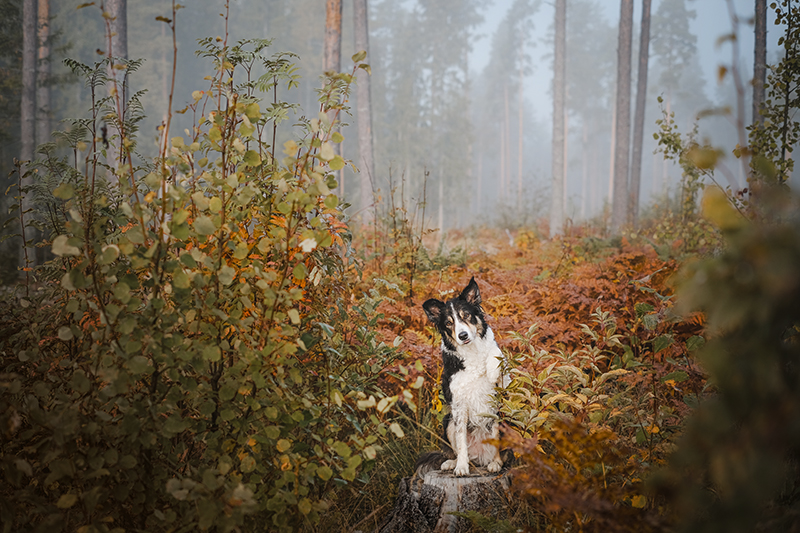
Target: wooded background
(497,108)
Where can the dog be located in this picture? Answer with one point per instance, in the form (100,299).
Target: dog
(470,373)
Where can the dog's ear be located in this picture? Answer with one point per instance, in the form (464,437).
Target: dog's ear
(433,308)
(471,293)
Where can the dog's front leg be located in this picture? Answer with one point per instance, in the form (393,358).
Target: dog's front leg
(460,447)
(496,464)
(457,435)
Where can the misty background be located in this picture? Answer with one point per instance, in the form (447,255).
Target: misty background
(461,90)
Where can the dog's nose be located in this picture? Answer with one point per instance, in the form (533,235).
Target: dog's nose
(463,336)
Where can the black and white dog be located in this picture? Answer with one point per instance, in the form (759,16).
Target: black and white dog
(471,370)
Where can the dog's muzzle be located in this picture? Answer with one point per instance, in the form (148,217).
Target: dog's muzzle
(463,336)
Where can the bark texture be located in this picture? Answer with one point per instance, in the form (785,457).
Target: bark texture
(426,503)
(28,105)
(619,204)
(760,59)
(559,122)
(43,73)
(364,103)
(638,120)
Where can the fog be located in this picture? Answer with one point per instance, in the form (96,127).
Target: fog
(461,91)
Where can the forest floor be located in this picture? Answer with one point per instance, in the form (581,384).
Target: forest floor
(555,285)
(599,308)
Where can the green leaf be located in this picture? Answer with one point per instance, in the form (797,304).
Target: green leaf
(677,376)
(139,364)
(324,472)
(251,158)
(336,163)
(248,464)
(66,501)
(695,342)
(283,445)
(659,343)
(65,191)
(226,274)
(253,111)
(204,225)
(642,309)
(331,201)
(64,246)
(212,353)
(326,152)
(304,506)
(65,333)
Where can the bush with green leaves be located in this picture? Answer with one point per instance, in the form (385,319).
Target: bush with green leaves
(193,359)
(737,465)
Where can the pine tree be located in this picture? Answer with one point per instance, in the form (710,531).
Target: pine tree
(559,129)
(619,206)
(638,121)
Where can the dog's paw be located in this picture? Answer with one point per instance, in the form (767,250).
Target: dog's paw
(448,465)
(461,470)
(495,465)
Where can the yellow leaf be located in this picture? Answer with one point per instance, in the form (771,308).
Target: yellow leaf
(718,209)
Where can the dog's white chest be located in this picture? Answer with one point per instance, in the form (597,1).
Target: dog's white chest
(473,387)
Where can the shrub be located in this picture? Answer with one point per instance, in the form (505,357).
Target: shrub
(193,358)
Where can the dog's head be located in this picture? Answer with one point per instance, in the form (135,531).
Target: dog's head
(460,320)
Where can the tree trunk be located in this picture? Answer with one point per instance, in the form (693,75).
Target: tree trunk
(28,107)
(117,11)
(559,134)
(364,97)
(332,55)
(425,503)
(520,136)
(332,59)
(638,121)
(28,112)
(760,62)
(619,206)
(43,73)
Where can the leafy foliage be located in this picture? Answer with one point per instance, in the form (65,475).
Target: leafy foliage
(736,467)
(195,358)
(772,141)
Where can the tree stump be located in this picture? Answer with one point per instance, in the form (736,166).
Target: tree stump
(425,503)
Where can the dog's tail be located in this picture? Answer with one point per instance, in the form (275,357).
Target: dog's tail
(430,461)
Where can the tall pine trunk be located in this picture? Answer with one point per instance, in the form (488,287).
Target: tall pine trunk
(364,97)
(117,11)
(28,97)
(559,93)
(332,57)
(760,60)
(619,205)
(43,73)
(638,121)
(28,113)
(520,135)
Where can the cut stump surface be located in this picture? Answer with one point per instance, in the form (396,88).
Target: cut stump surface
(425,503)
